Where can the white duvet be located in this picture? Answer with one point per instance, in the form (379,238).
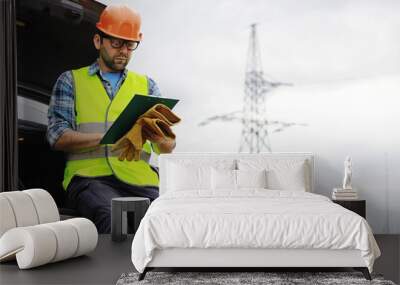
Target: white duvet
(250,219)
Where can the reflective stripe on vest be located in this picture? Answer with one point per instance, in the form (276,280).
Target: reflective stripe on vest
(95,113)
(100,151)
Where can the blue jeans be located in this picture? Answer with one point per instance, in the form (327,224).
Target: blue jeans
(91,197)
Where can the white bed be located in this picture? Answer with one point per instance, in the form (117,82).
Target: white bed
(198,226)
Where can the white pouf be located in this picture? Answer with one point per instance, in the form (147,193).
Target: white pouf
(31,231)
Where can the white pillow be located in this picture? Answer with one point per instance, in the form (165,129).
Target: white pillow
(183,177)
(282,174)
(223,179)
(288,175)
(251,178)
(193,173)
(219,163)
(227,179)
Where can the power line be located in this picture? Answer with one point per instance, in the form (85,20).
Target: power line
(255,124)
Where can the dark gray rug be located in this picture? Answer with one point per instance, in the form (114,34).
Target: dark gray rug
(243,278)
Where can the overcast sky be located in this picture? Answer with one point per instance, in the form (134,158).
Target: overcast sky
(196,51)
(342,56)
(301,41)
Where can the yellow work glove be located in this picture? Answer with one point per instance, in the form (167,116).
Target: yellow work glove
(162,112)
(127,143)
(156,120)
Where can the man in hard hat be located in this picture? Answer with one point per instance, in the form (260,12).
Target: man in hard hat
(84,104)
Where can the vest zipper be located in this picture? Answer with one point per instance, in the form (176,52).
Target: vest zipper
(106,128)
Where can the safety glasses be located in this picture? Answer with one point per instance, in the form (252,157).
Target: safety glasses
(118,43)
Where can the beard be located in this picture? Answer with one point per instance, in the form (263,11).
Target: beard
(116,63)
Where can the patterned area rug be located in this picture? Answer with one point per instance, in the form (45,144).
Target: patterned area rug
(244,278)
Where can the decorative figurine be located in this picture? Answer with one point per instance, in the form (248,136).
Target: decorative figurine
(347,174)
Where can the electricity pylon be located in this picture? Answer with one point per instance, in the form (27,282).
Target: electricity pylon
(255,125)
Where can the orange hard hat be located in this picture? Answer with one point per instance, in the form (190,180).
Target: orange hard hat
(121,22)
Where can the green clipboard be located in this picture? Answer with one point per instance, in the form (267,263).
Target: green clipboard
(135,108)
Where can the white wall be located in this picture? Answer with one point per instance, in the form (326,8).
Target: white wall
(343,58)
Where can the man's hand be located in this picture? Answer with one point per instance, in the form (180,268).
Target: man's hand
(165,144)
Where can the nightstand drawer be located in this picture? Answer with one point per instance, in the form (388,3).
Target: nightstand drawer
(357,206)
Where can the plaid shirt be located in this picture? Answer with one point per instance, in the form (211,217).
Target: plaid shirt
(61,113)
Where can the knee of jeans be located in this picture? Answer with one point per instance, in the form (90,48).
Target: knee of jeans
(104,210)
(156,194)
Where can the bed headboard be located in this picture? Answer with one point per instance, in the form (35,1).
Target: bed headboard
(165,159)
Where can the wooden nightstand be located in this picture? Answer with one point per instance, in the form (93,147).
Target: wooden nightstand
(357,206)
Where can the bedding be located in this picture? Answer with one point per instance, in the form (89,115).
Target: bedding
(185,178)
(251,178)
(194,174)
(282,174)
(223,179)
(250,218)
(227,179)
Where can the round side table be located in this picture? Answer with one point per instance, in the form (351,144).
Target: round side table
(119,220)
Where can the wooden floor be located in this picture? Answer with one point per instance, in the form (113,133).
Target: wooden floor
(110,260)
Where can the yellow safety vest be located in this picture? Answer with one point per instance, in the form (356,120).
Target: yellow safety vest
(95,112)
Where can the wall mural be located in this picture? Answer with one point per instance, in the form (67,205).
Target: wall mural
(340,65)
(256,125)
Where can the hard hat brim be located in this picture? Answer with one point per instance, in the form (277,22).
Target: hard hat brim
(98,26)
